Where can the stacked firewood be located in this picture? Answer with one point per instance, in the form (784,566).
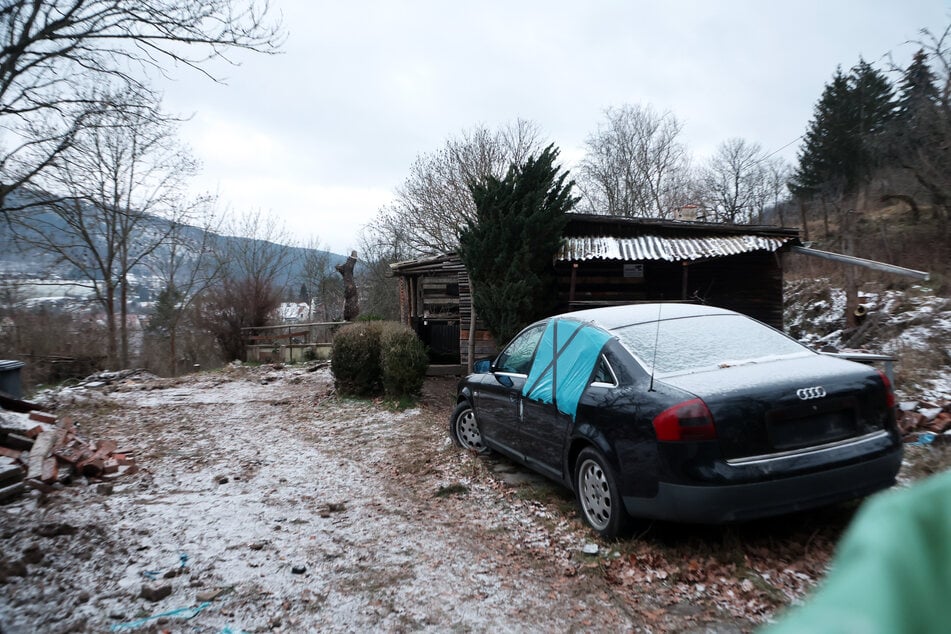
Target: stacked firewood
(40,451)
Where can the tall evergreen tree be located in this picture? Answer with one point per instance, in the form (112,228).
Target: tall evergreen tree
(917,122)
(508,248)
(842,146)
(917,93)
(920,135)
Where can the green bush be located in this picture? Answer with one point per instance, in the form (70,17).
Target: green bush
(370,358)
(355,360)
(403,359)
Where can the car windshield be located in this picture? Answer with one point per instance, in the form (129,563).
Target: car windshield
(705,342)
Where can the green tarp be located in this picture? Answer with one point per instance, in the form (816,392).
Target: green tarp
(892,571)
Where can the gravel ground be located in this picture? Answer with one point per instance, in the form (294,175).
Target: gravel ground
(283,508)
(266,503)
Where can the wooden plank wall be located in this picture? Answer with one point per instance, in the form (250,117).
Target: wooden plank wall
(485,346)
(749,283)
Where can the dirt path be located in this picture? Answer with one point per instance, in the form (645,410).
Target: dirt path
(284,509)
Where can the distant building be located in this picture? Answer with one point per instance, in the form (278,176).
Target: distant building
(293,312)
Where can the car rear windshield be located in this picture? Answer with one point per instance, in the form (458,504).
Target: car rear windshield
(705,342)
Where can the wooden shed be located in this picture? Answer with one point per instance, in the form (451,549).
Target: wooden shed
(607,260)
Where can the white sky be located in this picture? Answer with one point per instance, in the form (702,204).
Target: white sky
(322,134)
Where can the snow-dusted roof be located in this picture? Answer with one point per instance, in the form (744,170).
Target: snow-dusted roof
(672,249)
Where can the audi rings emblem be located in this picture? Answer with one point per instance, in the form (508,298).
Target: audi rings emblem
(808,393)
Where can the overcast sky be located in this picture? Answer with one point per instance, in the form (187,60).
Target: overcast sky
(321,134)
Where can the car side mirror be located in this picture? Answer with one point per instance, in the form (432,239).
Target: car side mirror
(482,366)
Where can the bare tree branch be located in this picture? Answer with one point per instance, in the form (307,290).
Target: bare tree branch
(50,50)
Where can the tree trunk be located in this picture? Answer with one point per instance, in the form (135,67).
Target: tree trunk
(171,349)
(805,223)
(351,302)
(470,344)
(123,324)
(112,344)
(851,279)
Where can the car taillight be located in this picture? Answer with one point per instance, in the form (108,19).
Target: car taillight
(889,393)
(690,420)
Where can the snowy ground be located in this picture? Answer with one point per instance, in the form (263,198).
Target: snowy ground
(301,515)
(265,503)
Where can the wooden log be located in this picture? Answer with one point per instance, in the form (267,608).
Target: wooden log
(12,491)
(73,452)
(10,473)
(18,441)
(9,402)
(65,475)
(94,465)
(63,429)
(40,451)
(93,468)
(16,454)
(50,470)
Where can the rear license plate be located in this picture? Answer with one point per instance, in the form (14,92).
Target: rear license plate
(817,429)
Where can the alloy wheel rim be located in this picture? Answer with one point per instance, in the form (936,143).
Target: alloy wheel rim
(468,431)
(595,494)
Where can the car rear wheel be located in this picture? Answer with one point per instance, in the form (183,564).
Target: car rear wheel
(464,429)
(597,493)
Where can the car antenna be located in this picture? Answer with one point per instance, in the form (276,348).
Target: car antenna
(656,341)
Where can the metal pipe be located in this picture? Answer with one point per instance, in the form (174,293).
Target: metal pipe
(870,264)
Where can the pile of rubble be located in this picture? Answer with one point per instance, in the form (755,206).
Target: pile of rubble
(40,451)
(919,418)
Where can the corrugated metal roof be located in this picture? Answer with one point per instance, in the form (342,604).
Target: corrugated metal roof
(662,248)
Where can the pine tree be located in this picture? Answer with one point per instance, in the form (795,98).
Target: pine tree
(843,143)
(917,93)
(508,248)
(916,122)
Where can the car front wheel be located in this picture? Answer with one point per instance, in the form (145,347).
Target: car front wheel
(464,429)
(597,492)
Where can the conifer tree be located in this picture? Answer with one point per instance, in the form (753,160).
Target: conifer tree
(509,247)
(842,145)
(917,93)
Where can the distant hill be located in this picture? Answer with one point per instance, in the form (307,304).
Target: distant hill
(19,260)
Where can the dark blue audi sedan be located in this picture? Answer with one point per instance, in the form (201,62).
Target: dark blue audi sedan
(681,412)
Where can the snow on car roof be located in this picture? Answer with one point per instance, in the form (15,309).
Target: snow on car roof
(612,317)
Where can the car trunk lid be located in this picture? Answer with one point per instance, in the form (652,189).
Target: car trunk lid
(788,404)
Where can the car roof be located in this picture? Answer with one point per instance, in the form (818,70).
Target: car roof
(612,317)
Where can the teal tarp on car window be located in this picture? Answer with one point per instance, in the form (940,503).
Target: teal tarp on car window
(563,363)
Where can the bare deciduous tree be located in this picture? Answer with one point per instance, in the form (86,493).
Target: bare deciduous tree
(635,164)
(123,178)
(187,267)
(250,285)
(324,288)
(434,201)
(734,182)
(778,173)
(51,51)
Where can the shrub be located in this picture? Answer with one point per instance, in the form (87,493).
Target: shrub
(403,359)
(355,360)
(371,358)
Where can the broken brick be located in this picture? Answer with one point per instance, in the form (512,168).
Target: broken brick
(42,417)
